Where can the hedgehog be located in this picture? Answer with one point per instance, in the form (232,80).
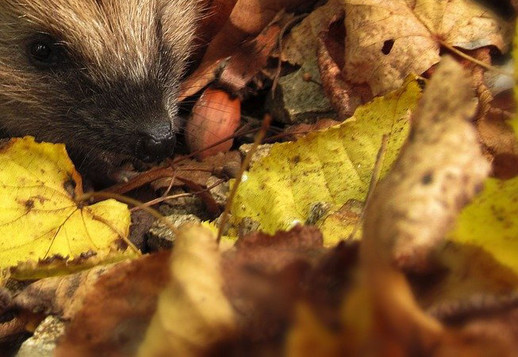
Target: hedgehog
(101,76)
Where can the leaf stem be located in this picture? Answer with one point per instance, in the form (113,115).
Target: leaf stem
(474,60)
(258,139)
(378,164)
(130,201)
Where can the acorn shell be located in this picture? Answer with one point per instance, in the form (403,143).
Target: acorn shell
(215,116)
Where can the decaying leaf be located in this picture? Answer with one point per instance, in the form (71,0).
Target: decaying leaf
(414,206)
(418,203)
(326,168)
(192,313)
(296,99)
(247,19)
(340,93)
(266,276)
(59,296)
(252,56)
(41,225)
(117,309)
(387,40)
(466,274)
(495,134)
(300,45)
(263,277)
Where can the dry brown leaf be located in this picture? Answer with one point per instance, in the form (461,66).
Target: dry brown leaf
(247,19)
(340,93)
(301,44)
(252,56)
(266,275)
(343,96)
(304,46)
(198,172)
(409,213)
(387,40)
(496,135)
(505,166)
(193,313)
(415,206)
(117,311)
(61,296)
(273,252)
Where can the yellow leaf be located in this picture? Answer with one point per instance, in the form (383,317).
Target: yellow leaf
(325,168)
(441,169)
(39,218)
(490,222)
(480,254)
(193,313)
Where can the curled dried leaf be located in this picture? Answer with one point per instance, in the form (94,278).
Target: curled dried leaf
(418,202)
(193,313)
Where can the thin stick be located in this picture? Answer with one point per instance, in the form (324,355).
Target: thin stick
(130,201)
(238,133)
(141,180)
(378,164)
(258,139)
(172,197)
(474,60)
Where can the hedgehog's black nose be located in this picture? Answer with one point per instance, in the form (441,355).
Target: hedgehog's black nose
(156,142)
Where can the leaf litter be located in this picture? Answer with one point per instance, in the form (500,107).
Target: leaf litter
(411,286)
(387,40)
(274,282)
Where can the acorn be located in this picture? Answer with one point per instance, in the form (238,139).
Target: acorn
(215,117)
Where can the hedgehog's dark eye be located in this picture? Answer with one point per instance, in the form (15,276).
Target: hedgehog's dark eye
(45,52)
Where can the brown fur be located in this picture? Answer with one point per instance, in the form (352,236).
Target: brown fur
(125,59)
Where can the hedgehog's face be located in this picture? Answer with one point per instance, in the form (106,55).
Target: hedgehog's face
(98,75)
